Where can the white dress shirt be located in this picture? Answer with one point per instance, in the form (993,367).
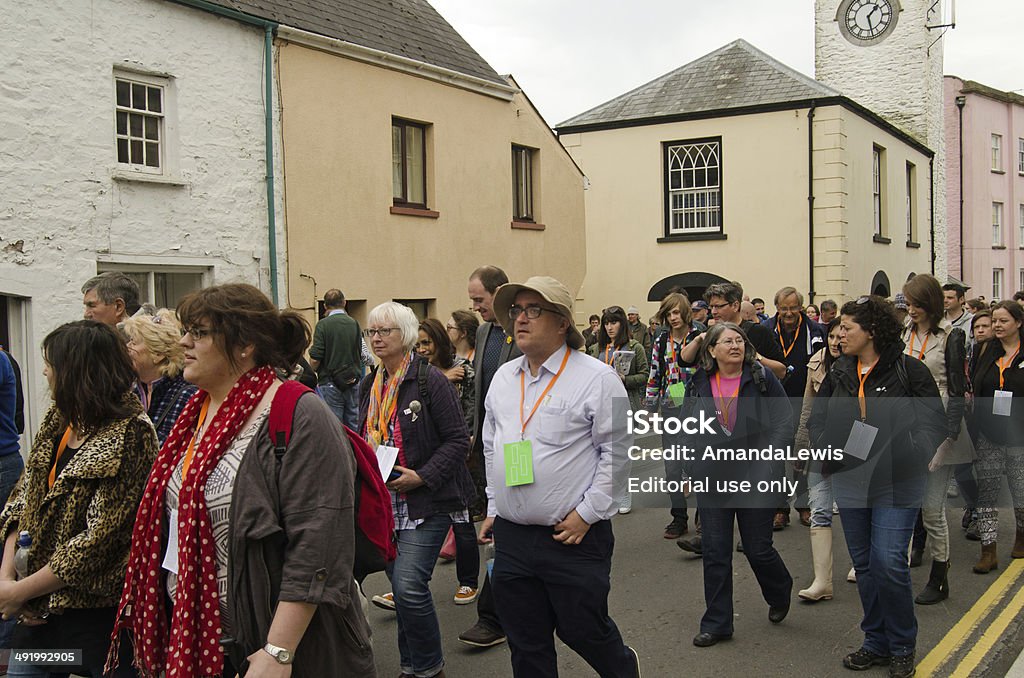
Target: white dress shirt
(578,435)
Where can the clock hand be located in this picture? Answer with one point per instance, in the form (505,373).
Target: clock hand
(874,9)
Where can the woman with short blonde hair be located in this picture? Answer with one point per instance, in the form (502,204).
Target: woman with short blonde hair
(158,359)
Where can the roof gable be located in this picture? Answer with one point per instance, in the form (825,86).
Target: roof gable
(409,28)
(737,75)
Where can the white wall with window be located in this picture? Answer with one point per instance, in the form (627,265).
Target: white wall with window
(997,152)
(142,150)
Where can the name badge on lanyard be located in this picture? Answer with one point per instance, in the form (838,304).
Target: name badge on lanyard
(862,437)
(518,463)
(171,555)
(1001,403)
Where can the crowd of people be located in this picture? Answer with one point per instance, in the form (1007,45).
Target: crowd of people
(195,499)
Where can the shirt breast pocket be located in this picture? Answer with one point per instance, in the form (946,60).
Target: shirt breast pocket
(555,424)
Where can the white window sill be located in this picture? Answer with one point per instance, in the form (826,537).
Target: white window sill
(143,177)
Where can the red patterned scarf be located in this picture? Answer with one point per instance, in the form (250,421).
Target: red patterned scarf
(190,647)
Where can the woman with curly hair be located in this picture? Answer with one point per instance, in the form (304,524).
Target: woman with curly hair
(882,409)
(154,345)
(77,500)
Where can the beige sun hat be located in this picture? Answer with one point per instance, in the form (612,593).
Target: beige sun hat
(553,292)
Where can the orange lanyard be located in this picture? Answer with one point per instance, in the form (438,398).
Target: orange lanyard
(796,335)
(1006,362)
(910,349)
(469,357)
(724,402)
(863,377)
(522,393)
(190,452)
(60,453)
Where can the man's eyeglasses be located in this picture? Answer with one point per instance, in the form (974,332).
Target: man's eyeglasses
(723,305)
(532,312)
(370,332)
(451,327)
(196,333)
(788,309)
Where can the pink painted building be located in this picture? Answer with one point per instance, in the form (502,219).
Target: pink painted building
(985,187)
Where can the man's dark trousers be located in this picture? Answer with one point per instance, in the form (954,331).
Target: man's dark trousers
(542,586)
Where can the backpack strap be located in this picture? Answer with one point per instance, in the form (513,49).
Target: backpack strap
(901,373)
(282,411)
(757,372)
(421,378)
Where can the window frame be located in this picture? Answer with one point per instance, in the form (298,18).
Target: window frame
(997,284)
(523,177)
(672,233)
(997,225)
(403,124)
(148,293)
(1020,226)
(1020,155)
(911,203)
(879,179)
(168,171)
(997,152)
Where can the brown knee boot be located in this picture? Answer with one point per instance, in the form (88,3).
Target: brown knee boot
(988,561)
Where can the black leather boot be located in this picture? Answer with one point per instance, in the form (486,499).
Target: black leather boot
(937,588)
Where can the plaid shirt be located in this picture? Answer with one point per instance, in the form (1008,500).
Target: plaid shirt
(166,402)
(398,504)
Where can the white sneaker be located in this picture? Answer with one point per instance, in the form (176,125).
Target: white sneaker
(384,602)
(852,576)
(952,491)
(627,505)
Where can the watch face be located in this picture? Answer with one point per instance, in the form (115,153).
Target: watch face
(284,657)
(867,22)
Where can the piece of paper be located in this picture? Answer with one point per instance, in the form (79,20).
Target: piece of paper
(518,463)
(171,554)
(622,360)
(862,437)
(677,392)
(1001,402)
(386,458)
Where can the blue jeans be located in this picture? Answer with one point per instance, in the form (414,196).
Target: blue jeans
(755,525)
(419,634)
(878,539)
(11,466)
(344,404)
(820,497)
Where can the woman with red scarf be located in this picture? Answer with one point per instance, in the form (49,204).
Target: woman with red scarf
(241,561)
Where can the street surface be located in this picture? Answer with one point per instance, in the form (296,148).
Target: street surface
(657,600)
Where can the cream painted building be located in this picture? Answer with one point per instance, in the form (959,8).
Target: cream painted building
(736,167)
(409,162)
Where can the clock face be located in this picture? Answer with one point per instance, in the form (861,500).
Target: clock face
(867,22)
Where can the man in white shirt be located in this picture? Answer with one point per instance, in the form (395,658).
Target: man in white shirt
(555,453)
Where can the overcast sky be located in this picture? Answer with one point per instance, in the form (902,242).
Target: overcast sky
(570,55)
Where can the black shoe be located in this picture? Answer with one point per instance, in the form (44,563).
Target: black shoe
(902,666)
(482,636)
(776,613)
(636,660)
(692,545)
(967,518)
(937,588)
(675,529)
(709,639)
(862,660)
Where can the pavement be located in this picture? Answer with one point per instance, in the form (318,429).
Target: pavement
(657,600)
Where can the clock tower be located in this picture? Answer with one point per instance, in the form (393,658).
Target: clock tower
(882,54)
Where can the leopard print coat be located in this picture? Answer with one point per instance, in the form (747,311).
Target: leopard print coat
(82,526)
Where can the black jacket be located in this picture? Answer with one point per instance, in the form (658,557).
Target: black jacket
(996,428)
(909,417)
(764,420)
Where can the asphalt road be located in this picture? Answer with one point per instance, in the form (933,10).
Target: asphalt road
(657,601)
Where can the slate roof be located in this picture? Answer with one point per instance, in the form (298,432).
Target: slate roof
(737,75)
(409,28)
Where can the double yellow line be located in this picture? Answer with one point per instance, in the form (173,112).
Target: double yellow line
(950,644)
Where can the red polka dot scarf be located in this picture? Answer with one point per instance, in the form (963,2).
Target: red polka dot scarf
(190,646)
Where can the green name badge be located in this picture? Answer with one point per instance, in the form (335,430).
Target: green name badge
(518,463)
(677,392)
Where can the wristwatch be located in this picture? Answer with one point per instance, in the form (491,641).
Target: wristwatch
(280,655)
